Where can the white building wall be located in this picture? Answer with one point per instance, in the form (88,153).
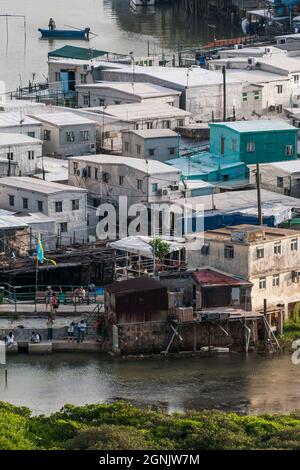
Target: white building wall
(162,146)
(34,130)
(25,165)
(76,220)
(59,146)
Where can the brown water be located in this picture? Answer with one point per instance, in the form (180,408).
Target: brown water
(253,384)
(119,29)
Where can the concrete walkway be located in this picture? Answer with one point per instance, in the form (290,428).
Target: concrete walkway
(66,310)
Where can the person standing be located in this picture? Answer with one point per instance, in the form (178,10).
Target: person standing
(71,332)
(54,304)
(10,339)
(50,322)
(48,295)
(82,326)
(51,24)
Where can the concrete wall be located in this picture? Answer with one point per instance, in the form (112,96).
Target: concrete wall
(153,337)
(35,129)
(160,145)
(59,145)
(76,220)
(25,166)
(90,96)
(289,186)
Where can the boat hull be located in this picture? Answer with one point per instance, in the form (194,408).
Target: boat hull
(64,34)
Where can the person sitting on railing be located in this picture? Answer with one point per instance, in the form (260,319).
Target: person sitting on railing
(10,339)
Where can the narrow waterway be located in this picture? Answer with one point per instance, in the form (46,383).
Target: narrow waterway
(250,385)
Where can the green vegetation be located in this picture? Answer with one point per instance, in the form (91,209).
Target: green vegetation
(121,426)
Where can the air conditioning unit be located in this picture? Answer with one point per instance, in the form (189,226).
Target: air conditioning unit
(252,62)
(92,147)
(267,50)
(238,46)
(295,276)
(165,192)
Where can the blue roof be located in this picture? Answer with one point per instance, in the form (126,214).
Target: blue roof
(202,164)
(256,126)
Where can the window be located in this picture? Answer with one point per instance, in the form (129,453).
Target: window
(31,134)
(154,187)
(262,283)
(96,202)
(106,177)
(289,150)
(25,203)
(245,97)
(10,156)
(126,146)
(57,76)
(251,146)
(86,100)
(151,152)
(294,244)
(101,102)
(205,250)
(256,95)
(260,252)
(139,184)
(166,124)
(172,150)
(83,78)
(84,136)
(149,125)
(296,78)
(96,173)
(40,206)
(136,127)
(47,135)
(117,102)
(180,123)
(279,89)
(75,205)
(279,108)
(234,145)
(225,177)
(121,180)
(58,206)
(11,200)
(279,182)
(70,136)
(138,149)
(277,248)
(276,280)
(30,154)
(229,251)
(75,167)
(63,227)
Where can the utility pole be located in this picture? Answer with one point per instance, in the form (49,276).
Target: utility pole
(224,92)
(260,218)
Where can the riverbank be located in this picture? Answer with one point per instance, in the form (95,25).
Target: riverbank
(121,426)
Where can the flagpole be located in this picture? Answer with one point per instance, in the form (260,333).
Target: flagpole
(36,282)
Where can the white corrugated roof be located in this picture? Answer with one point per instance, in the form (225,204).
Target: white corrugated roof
(140,89)
(135,111)
(10,119)
(37,185)
(292,166)
(152,167)
(62,119)
(17,139)
(154,133)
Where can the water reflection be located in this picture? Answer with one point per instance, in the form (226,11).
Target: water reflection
(248,385)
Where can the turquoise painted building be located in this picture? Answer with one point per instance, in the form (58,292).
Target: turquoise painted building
(260,141)
(211,168)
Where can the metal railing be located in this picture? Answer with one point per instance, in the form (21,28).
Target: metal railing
(66,295)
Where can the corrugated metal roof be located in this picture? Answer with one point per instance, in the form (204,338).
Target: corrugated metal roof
(256,125)
(210,277)
(73,52)
(133,285)
(37,185)
(61,119)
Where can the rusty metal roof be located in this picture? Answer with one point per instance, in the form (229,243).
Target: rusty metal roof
(214,278)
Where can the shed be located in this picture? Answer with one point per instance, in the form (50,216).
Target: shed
(137,300)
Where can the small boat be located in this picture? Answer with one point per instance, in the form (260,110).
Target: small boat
(65,33)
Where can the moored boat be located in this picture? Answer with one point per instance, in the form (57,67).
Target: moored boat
(65,33)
